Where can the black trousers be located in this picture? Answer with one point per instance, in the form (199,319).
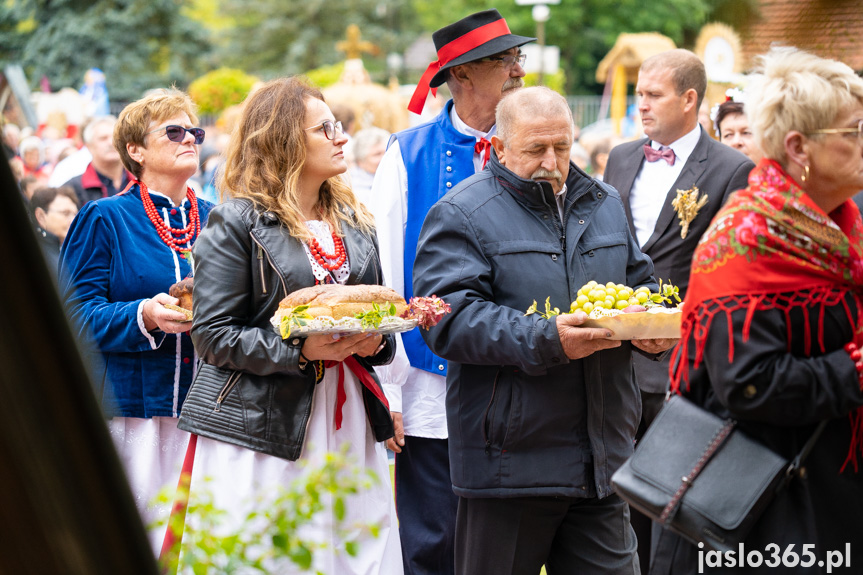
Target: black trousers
(426,506)
(570,536)
(651,403)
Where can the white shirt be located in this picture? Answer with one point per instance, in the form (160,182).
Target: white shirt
(361,183)
(654,181)
(72,166)
(560,199)
(418,394)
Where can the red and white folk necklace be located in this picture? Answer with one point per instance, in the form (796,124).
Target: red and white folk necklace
(330,262)
(174,238)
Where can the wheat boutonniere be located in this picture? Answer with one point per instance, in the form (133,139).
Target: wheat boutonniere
(686,204)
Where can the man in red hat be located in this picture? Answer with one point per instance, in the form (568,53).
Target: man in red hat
(480,61)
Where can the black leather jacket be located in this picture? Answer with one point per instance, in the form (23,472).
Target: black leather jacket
(250,390)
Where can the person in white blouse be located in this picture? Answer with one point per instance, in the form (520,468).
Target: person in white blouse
(480,61)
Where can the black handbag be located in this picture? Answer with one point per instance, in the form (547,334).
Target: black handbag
(697,475)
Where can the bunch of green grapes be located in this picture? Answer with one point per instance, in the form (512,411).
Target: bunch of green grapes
(593,295)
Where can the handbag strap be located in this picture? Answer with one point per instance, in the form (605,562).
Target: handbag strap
(687,480)
(804,453)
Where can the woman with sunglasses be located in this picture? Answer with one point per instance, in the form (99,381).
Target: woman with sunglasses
(265,404)
(118,261)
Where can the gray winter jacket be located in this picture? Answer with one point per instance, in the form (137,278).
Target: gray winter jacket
(523,419)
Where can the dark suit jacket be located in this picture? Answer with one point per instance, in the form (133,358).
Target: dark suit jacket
(717,170)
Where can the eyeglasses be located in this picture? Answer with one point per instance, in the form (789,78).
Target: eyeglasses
(329,127)
(508,61)
(858,130)
(178,133)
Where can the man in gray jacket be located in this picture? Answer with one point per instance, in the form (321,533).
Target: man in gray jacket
(541,411)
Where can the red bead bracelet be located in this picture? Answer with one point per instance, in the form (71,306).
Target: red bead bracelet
(857,357)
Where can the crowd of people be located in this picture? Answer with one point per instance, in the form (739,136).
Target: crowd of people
(506,427)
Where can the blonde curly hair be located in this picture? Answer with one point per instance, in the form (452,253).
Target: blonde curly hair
(266,156)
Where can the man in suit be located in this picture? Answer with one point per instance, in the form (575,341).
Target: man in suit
(678,155)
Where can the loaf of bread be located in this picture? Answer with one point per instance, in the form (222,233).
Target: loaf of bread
(338,301)
(182,290)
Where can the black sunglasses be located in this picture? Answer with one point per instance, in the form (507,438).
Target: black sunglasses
(178,133)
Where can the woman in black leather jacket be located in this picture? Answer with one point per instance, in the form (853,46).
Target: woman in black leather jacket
(260,403)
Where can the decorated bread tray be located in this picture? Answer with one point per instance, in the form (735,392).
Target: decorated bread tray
(351,309)
(344,326)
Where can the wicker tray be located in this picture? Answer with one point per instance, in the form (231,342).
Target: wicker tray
(656,323)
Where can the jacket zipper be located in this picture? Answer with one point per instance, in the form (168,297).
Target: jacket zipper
(561,225)
(302,441)
(270,261)
(486,424)
(261,267)
(229,385)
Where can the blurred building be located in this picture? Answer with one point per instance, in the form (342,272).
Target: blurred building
(830,29)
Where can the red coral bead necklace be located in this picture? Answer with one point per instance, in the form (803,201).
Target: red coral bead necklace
(322,257)
(166,232)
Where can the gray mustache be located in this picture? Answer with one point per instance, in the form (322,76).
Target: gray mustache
(512,83)
(543,173)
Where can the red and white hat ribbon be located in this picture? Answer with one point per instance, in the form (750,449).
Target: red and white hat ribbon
(451,51)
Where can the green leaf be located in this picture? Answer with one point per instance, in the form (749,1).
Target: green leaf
(351,548)
(280,541)
(302,556)
(339,509)
(295,316)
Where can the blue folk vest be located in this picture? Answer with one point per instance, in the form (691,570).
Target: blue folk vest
(437,157)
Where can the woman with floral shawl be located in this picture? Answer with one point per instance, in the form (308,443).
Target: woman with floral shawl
(772,323)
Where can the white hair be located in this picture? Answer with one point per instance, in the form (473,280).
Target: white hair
(98,121)
(366,138)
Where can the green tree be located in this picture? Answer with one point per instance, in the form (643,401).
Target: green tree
(15,23)
(280,37)
(139,44)
(584,30)
(217,90)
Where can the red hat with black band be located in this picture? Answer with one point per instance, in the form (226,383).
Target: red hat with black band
(476,36)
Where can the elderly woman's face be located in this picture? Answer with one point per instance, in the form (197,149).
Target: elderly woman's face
(836,160)
(31,158)
(373,157)
(58,217)
(734,131)
(165,157)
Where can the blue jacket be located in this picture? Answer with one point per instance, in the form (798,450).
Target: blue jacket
(111,261)
(437,157)
(523,419)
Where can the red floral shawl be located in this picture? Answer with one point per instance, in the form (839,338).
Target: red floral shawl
(771,247)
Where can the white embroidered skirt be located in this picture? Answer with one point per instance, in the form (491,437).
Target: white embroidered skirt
(152,452)
(236,477)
